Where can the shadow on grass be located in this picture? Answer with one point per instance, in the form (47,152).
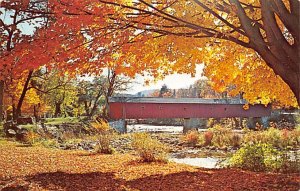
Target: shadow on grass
(24,145)
(72,182)
(183,181)
(216,179)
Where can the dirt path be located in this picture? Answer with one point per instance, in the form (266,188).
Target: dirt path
(35,168)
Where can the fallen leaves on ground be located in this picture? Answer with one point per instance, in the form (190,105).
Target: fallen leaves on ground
(37,168)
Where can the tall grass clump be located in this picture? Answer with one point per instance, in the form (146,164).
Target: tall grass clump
(31,137)
(208,136)
(221,136)
(149,149)
(191,138)
(104,137)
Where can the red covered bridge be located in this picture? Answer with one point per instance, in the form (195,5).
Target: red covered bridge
(145,108)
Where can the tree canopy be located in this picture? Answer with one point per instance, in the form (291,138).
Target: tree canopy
(248,47)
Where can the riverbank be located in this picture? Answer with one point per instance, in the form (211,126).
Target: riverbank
(38,168)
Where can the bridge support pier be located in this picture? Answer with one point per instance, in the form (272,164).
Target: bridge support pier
(190,124)
(120,125)
(264,121)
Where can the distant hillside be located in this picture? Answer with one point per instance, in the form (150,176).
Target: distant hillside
(145,93)
(123,95)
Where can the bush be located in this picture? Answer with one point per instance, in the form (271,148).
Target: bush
(272,136)
(31,137)
(294,137)
(208,136)
(104,143)
(104,136)
(289,138)
(253,137)
(221,136)
(277,138)
(290,162)
(191,138)
(257,157)
(235,140)
(100,126)
(148,149)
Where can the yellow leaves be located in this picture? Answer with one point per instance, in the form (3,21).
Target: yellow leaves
(246,106)
(100,126)
(235,69)
(128,2)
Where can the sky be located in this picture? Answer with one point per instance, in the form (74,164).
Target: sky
(174,81)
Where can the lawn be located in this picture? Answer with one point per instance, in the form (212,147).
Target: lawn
(57,121)
(38,168)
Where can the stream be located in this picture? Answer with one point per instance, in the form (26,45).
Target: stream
(193,157)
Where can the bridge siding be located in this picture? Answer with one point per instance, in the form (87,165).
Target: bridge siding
(183,110)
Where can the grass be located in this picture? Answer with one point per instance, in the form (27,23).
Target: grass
(1,130)
(297,119)
(57,121)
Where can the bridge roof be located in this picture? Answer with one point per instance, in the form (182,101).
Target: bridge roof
(175,100)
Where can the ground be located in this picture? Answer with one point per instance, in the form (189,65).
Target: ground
(37,168)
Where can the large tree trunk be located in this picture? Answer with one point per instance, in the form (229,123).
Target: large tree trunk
(22,97)
(1,99)
(279,54)
(87,109)
(57,109)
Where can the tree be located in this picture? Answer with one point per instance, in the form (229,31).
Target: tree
(58,91)
(114,83)
(10,34)
(267,29)
(18,14)
(165,91)
(90,94)
(1,99)
(162,38)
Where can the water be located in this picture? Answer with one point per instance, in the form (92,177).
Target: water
(197,158)
(207,162)
(190,157)
(154,128)
(161,129)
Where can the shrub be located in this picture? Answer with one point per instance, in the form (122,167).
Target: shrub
(147,148)
(208,136)
(31,137)
(257,157)
(286,138)
(272,136)
(235,140)
(290,162)
(191,138)
(253,137)
(277,138)
(104,143)
(221,136)
(104,136)
(100,126)
(294,137)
